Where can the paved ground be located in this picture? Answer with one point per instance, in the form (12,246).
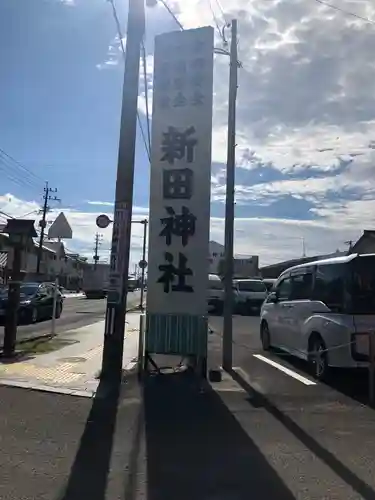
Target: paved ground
(77,312)
(74,361)
(259,433)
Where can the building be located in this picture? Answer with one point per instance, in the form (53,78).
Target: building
(243,267)
(274,270)
(55,262)
(247,267)
(215,256)
(365,244)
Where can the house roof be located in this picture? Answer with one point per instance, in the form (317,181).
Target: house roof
(368,235)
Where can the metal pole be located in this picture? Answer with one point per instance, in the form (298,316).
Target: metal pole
(116,310)
(229,204)
(145,222)
(371,368)
(10,330)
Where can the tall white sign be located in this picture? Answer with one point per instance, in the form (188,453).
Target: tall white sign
(180,173)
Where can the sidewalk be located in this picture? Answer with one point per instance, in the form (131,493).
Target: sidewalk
(73,364)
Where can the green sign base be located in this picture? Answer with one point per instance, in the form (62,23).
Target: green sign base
(179,334)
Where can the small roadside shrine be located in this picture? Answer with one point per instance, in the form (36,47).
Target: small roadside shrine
(176,321)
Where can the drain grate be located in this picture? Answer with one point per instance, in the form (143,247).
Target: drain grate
(73,360)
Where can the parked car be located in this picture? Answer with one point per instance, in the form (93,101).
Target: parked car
(269,282)
(216,293)
(36,302)
(251,294)
(322,312)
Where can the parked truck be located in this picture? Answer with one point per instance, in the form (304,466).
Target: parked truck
(95,281)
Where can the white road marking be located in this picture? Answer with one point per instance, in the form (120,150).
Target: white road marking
(285,370)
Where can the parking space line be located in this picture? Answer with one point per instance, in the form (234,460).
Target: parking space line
(285,370)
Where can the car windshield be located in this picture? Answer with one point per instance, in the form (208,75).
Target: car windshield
(363,285)
(252,286)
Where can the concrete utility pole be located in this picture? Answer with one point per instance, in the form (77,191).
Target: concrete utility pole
(98,238)
(229,204)
(116,309)
(43,223)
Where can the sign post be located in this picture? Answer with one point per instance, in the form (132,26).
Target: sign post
(59,229)
(180,194)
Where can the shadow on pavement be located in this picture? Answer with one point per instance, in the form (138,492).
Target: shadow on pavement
(196,449)
(89,472)
(259,400)
(353,383)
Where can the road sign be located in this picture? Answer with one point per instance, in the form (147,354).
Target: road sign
(60,228)
(103,221)
(142,264)
(116,273)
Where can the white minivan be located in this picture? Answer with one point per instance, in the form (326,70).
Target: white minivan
(322,312)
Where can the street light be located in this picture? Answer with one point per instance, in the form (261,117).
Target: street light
(20,233)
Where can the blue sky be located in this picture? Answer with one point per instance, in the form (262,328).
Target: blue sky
(305,121)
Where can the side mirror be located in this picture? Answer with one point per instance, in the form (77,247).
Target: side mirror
(273,297)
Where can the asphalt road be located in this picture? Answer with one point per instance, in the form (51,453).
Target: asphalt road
(246,346)
(77,312)
(326,427)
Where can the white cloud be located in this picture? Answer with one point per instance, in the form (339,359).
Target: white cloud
(272,239)
(305,105)
(83,225)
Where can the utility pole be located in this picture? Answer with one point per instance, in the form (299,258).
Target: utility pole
(229,203)
(46,197)
(120,248)
(98,238)
(143,268)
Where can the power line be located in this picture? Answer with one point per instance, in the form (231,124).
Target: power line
(164,3)
(344,11)
(219,30)
(20,165)
(119,34)
(15,174)
(221,9)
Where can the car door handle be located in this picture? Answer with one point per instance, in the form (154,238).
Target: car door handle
(287,306)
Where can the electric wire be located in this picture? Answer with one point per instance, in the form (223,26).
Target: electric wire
(119,34)
(344,11)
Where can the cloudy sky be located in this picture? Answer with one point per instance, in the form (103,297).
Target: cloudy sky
(305,117)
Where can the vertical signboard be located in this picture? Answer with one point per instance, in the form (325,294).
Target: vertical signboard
(180,175)
(115,285)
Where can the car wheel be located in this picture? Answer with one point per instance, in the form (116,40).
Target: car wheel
(265,336)
(318,358)
(34,315)
(58,310)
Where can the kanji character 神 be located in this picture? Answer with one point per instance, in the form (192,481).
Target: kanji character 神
(171,272)
(177,145)
(182,225)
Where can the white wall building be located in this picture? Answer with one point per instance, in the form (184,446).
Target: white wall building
(216,255)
